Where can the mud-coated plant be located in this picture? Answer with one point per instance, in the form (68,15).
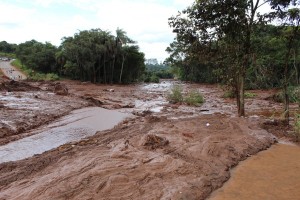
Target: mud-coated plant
(175,95)
(297,126)
(194,98)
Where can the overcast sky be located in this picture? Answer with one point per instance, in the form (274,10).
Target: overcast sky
(145,21)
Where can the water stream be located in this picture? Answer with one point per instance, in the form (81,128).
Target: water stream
(73,127)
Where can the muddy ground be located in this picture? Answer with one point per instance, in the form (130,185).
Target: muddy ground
(165,152)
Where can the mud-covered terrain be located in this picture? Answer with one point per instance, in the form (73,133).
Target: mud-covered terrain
(165,151)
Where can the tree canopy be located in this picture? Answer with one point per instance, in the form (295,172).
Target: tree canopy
(220,38)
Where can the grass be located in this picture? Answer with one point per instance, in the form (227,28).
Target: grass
(231,94)
(7,55)
(32,75)
(250,95)
(175,96)
(193,98)
(293,92)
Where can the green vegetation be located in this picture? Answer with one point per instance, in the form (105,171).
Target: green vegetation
(175,96)
(91,55)
(293,92)
(241,49)
(155,71)
(297,126)
(194,98)
(31,74)
(250,95)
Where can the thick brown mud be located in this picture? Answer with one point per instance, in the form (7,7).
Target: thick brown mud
(166,152)
(271,174)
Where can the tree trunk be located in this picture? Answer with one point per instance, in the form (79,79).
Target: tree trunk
(104,70)
(285,89)
(240,94)
(120,80)
(112,70)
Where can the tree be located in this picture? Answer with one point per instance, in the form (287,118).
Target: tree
(123,40)
(219,33)
(290,20)
(93,50)
(37,55)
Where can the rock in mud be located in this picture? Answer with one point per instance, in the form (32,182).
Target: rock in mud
(153,142)
(60,89)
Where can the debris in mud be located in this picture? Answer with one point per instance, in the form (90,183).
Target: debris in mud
(152,142)
(12,85)
(142,113)
(94,101)
(60,89)
(155,118)
(109,90)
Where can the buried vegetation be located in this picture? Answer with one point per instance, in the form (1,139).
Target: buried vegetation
(191,98)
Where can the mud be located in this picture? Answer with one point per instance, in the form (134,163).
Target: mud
(73,127)
(268,175)
(166,152)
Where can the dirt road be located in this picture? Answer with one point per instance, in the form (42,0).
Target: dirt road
(10,71)
(174,152)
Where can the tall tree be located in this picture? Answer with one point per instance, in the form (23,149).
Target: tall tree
(288,13)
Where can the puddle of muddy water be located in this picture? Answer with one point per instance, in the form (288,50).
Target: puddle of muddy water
(79,124)
(272,174)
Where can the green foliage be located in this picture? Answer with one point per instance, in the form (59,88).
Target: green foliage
(297,126)
(41,76)
(293,93)
(7,55)
(7,48)
(229,94)
(33,75)
(250,95)
(99,56)
(154,79)
(194,98)
(175,96)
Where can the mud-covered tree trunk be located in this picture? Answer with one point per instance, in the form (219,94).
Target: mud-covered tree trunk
(285,86)
(240,94)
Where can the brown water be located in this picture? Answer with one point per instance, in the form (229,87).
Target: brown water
(73,127)
(270,175)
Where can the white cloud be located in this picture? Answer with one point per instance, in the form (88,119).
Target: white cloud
(46,20)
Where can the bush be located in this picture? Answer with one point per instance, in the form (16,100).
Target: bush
(194,98)
(293,92)
(154,79)
(297,126)
(175,96)
(229,94)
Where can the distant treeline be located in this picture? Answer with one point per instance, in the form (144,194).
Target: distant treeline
(266,69)
(90,55)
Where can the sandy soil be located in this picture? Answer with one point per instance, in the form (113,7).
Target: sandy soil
(180,152)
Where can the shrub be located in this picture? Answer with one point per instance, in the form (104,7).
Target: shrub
(229,94)
(297,126)
(194,98)
(154,79)
(293,92)
(175,96)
